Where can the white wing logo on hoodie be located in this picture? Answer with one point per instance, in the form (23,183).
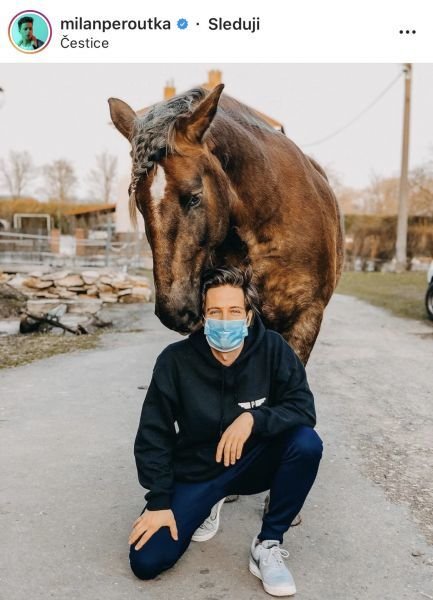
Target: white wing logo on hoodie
(252,403)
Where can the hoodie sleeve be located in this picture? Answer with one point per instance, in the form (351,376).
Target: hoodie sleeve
(156,438)
(292,399)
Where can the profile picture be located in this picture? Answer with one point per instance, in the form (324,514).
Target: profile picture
(30,31)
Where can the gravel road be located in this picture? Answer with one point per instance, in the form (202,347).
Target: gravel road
(69,491)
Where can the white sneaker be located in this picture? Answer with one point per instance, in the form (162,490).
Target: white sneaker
(210,526)
(266,563)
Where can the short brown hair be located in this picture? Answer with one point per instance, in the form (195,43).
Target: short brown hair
(236,277)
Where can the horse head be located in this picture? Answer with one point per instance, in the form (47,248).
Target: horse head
(182,192)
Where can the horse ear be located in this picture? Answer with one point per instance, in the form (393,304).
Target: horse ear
(194,126)
(123,116)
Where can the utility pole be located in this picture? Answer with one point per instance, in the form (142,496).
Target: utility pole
(401,244)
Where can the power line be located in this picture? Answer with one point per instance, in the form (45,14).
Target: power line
(358,116)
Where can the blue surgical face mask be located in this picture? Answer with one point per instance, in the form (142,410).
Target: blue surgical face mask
(225,336)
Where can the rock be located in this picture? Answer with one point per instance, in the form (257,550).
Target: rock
(55,275)
(85,305)
(107,279)
(103,287)
(4,277)
(139,281)
(9,326)
(130,299)
(39,272)
(33,282)
(72,280)
(12,301)
(66,294)
(75,319)
(89,277)
(58,311)
(81,305)
(17,280)
(78,288)
(9,292)
(107,297)
(39,307)
(44,294)
(124,292)
(142,291)
(92,291)
(121,285)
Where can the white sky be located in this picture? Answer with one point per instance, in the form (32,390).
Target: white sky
(61,111)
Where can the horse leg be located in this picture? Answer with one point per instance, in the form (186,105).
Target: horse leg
(302,334)
(301,337)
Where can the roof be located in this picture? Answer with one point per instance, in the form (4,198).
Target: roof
(91,208)
(271,121)
(209,86)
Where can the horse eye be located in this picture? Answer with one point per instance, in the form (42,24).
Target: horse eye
(194,201)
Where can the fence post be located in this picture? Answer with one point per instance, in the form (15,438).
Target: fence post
(80,235)
(108,242)
(55,241)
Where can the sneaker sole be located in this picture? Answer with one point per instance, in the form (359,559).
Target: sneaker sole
(254,569)
(210,534)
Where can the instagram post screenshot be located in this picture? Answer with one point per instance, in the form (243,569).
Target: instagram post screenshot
(216,300)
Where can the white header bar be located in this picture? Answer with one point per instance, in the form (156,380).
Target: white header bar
(191,31)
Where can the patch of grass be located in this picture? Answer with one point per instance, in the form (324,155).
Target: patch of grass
(401,293)
(16,350)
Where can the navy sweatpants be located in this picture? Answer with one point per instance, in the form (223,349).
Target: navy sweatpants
(286,465)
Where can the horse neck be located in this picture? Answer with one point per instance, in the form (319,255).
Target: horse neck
(244,158)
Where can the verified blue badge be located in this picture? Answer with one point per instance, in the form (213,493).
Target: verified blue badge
(182,23)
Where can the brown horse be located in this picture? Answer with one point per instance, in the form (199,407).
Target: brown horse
(216,184)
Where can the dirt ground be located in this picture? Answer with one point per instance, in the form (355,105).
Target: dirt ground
(18,350)
(69,491)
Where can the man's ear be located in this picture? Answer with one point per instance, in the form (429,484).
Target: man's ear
(249,317)
(123,117)
(191,128)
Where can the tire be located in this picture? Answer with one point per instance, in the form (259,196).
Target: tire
(429,301)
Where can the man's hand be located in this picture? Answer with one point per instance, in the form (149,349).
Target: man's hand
(233,439)
(149,522)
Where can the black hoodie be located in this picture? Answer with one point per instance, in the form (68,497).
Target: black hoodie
(191,387)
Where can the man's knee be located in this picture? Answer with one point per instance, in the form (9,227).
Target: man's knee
(148,565)
(307,444)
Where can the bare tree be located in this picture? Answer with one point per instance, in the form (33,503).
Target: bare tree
(17,172)
(381,196)
(349,199)
(60,180)
(103,177)
(421,190)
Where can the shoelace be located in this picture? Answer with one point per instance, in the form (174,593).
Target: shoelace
(207,523)
(277,554)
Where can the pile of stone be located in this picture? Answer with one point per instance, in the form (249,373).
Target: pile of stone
(85,285)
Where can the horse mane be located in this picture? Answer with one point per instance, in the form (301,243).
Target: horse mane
(153,137)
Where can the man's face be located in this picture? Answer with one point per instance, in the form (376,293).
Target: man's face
(26,31)
(226,302)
